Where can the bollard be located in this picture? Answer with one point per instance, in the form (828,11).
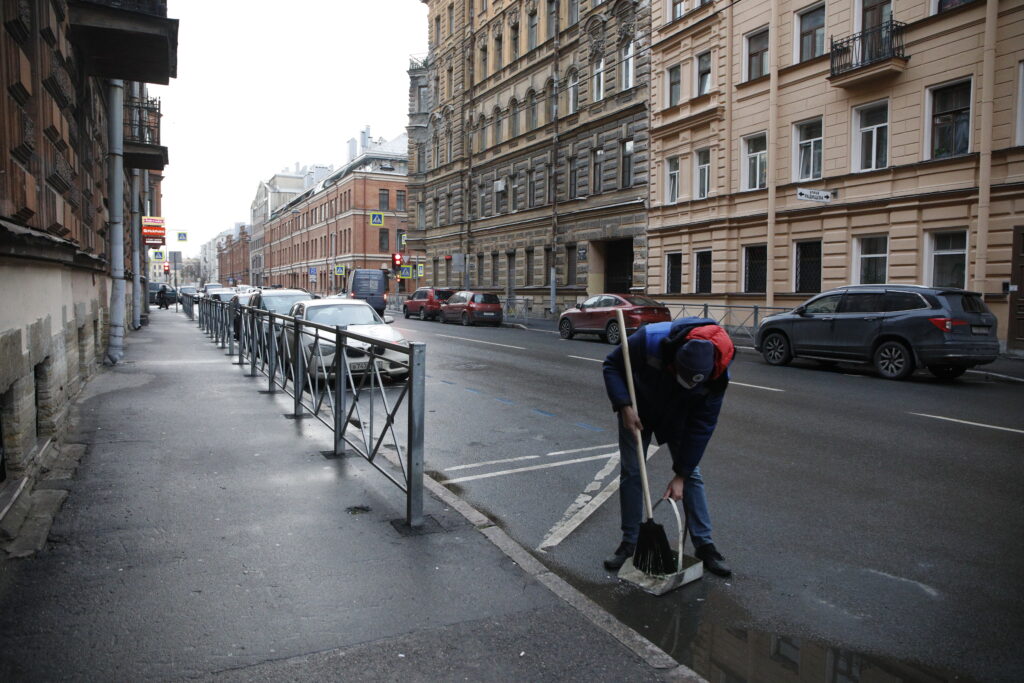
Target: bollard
(414,446)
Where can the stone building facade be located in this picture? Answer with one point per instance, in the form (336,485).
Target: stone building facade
(270,195)
(798,146)
(528,137)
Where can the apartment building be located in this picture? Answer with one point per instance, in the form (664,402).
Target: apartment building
(528,135)
(356,217)
(233,258)
(802,145)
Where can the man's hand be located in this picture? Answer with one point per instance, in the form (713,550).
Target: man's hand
(630,420)
(675,488)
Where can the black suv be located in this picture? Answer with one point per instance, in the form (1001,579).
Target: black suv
(895,327)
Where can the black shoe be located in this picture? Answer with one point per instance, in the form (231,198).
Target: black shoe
(613,563)
(713,560)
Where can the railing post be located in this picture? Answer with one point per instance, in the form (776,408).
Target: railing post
(414,447)
(271,338)
(705,311)
(298,369)
(757,310)
(254,343)
(340,380)
(229,326)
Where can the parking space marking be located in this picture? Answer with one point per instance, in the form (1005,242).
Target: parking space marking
(590,427)
(755,386)
(596,360)
(973,424)
(491,462)
(505,401)
(582,450)
(995,374)
(543,412)
(477,341)
(583,507)
(552,454)
(530,468)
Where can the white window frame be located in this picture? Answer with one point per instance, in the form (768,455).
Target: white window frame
(797,16)
(574,92)
(746,50)
(670,180)
(855,136)
(628,60)
(670,6)
(597,84)
(668,86)
(929,98)
(858,255)
(797,144)
(745,167)
(697,166)
(696,73)
(931,253)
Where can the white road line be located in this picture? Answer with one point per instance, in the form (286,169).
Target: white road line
(582,507)
(754,386)
(923,586)
(596,360)
(502,473)
(995,374)
(507,346)
(491,462)
(973,424)
(581,450)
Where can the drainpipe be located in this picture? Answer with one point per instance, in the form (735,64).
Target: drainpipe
(136,253)
(985,160)
(552,271)
(115,179)
(773,124)
(145,209)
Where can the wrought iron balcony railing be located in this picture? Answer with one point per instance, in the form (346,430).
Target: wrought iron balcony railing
(157,8)
(142,120)
(875,44)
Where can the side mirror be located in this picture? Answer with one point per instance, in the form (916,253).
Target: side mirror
(388,320)
(801,311)
(582,307)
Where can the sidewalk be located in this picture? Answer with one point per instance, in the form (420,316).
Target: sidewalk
(204,536)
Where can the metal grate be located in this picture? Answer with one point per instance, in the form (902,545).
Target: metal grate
(142,120)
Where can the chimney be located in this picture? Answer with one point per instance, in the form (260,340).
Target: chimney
(364,138)
(351,149)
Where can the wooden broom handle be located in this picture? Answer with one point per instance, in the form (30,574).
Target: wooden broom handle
(640,455)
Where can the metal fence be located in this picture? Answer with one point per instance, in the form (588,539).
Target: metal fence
(355,385)
(740,322)
(871,45)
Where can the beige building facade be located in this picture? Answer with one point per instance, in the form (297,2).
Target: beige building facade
(799,146)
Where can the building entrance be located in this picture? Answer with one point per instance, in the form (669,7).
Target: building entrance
(1015,335)
(618,266)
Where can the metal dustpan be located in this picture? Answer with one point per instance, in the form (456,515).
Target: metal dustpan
(688,568)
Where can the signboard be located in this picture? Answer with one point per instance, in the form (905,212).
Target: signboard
(377,218)
(157,256)
(175,258)
(183,237)
(401,240)
(153,241)
(339,270)
(808,194)
(405,272)
(152,232)
(419,270)
(458,263)
(156,221)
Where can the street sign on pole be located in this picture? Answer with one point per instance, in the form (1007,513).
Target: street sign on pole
(183,237)
(405,272)
(339,270)
(312,275)
(157,256)
(377,218)
(419,270)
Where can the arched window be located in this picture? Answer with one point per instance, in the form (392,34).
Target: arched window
(574,92)
(552,102)
(497,126)
(531,110)
(513,118)
(628,67)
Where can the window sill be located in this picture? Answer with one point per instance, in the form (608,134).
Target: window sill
(753,81)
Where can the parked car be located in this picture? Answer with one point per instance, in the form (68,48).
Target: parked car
(470,308)
(185,289)
(370,285)
(358,317)
(897,328)
(597,316)
(426,302)
(222,294)
(278,300)
(236,302)
(154,287)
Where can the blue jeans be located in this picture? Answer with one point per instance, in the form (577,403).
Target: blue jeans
(631,495)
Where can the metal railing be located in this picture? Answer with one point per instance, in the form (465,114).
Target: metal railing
(355,385)
(740,322)
(515,308)
(871,45)
(142,120)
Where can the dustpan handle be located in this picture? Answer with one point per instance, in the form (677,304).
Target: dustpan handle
(681,525)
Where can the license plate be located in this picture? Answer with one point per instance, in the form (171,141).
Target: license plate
(487,314)
(355,367)
(979,329)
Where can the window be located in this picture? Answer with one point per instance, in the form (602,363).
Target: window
(757,54)
(529,268)
(674,273)
(494,269)
(383,199)
(703,81)
(808,267)
(421,215)
(945,5)
(513,196)
(903,301)
(531,31)
(552,102)
(483,61)
(574,173)
(547,265)
(574,92)
(678,7)
(675,85)
(872,255)
(672,181)
(437,150)
(451,19)
(437,30)
(598,80)
(481,199)
(951,120)
(479,270)
(448,208)
(626,164)
(702,272)
(500,196)
(513,39)
(450,144)
(574,11)
(808,152)
(570,264)
(597,168)
(499,51)
(755,268)
(871,145)
(399,200)
(1020,104)
(786,650)
(628,67)
(531,111)
(812,33)
(383,241)
(949,259)
(421,98)
(702,173)
(437,210)
(496,128)
(552,17)
(755,154)
(531,188)
(513,118)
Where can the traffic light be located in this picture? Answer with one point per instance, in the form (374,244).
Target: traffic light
(167,267)
(396,262)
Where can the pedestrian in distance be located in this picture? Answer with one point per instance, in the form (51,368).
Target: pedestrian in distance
(680,374)
(161,297)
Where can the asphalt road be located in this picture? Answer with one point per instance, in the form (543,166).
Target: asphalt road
(869,523)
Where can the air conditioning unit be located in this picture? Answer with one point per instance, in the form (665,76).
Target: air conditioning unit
(499,185)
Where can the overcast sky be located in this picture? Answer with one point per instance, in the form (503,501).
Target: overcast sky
(262,85)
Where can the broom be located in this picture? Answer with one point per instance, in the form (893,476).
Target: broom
(653,554)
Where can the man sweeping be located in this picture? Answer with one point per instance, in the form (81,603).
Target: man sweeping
(680,376)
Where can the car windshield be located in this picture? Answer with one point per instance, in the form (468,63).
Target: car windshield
(343,315)
(188,290)
(282,303)
(641,301)
(486,299)
(443,294)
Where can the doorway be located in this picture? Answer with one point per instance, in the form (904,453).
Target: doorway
(618,266)
(1015,335)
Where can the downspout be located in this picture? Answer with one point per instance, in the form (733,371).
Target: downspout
(136,253)
(146,211)
(115,180)
(773,123)
(552,285)
(985,160)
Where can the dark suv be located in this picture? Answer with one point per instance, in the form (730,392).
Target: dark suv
(897,328)
(425,302)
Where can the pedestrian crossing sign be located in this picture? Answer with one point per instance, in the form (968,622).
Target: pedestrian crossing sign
(339,270)
(419,270)
(377,218)
(157,256)
(405,272)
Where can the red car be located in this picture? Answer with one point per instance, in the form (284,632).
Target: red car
(596,315)
(470,308)
(426,302)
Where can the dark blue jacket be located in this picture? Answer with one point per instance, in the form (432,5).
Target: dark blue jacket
(682,418)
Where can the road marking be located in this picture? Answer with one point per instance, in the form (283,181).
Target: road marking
(531,457)
(491,462)
(505,401)
(923,586)
(590,427)
(543,412)
(973,424)
(995,374)
(755,386)
(477,341)
(473,391)
(596,360)
(587,448)
(530,468)
(582,507)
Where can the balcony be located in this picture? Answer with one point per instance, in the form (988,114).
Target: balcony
(873,54)
(142,147)
(128,39)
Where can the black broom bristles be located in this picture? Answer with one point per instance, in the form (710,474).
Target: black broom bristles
(653,554)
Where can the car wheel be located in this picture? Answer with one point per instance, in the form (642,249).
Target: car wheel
(443,318)
(947,372)
(565,329)
(775,349)
(893,360)
(405,311)
(423,312)
(611,332)
(466,322)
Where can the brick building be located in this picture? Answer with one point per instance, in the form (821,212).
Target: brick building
(335,223)
(233,259)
